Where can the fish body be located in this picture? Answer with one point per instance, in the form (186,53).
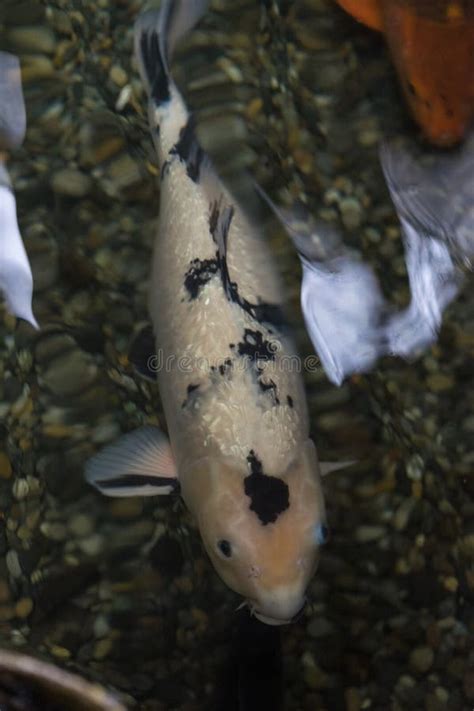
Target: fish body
(432,46)
(16,280)
(228,373)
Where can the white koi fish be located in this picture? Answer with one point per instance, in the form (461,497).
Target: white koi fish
(347,317)
(239,450)
(16,280)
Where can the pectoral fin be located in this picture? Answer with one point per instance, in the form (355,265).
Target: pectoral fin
(16,280)
(329,467)
(343,309)
(141,463)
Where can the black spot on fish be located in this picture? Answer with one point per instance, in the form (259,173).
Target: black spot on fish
(220,219)
(225,366)
(155,69)
(289,400)
(189,391)
(256,347)
(267,313)
(269,495)
(189,151)
(199,274)
(271,387)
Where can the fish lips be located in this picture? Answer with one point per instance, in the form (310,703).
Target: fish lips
(275,621)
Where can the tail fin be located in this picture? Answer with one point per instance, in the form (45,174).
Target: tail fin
(156,35)
(12,106)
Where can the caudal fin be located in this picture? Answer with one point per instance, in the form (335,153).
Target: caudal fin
(156,35)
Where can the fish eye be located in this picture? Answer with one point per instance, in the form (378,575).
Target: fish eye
(321,534)
(225,548)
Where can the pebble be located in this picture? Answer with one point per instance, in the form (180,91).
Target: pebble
(5,466)
(351,213)
(51,345)
(4,591)
(122,173)
(315,677)
(415,467)
(70,373)
(92,545)
(24,607)
(54,531)
(60,652)
(421,659)
(106,432)
(439,382)
(7,612)
(99,139)
(118,75)
(101,626)
(320,627)
(20,489)
(38,39)
(102,648)
(368,534)
(44,258)
(129,507)
(81,525)
(35,67)
(403,513)
(13,564)
(71,183)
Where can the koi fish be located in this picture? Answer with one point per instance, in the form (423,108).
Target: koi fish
(16,280)
(239,450)
(432,46)
(348,319)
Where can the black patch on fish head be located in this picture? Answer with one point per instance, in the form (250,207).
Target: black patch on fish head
(188,150)
(269,495)
(200,272)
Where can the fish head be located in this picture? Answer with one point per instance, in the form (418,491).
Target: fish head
(267,551)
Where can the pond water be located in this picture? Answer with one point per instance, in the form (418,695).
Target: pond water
(296,96)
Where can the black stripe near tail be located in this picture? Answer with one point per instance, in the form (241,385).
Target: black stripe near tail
(155,66)
(156,34)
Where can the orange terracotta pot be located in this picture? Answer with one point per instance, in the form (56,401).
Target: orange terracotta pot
(432,47)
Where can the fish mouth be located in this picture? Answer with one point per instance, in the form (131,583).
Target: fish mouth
(270,620)
(277,621)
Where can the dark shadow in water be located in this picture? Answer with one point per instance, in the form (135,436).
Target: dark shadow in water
(251,679)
